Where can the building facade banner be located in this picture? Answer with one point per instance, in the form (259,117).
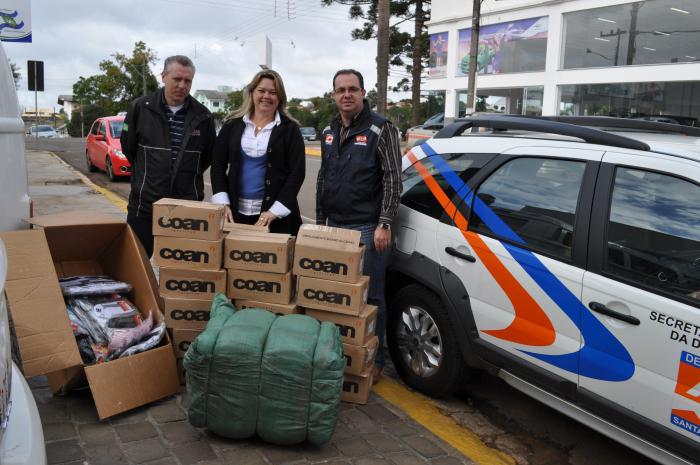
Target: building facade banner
(437,64)
(514,46)
(15,21)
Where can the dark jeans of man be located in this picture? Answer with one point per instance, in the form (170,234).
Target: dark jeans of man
(143,228)
(245,219)
(375,268)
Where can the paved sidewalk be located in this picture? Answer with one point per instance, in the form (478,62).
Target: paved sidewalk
(159,434)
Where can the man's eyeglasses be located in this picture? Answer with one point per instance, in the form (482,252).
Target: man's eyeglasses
(342,90)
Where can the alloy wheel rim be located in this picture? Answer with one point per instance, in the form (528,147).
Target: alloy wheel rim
(419,341)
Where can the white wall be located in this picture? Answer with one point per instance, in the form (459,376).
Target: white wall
(453,15)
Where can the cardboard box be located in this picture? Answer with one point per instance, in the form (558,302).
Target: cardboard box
(329,253)
(275,288)
(188,218)
(182,338)
(72,244)
(356,388)
(271,253)
(359,358)
(245,228)
(178,252)
(277,309)
(332,296)
(191,284)
(355,330)
(186,313)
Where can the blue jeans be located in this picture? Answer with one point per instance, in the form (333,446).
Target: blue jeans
(375,268)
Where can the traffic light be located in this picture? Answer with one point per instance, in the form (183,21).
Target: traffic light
(35,78)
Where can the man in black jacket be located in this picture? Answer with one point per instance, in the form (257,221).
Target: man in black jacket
(359,183)
(168,138)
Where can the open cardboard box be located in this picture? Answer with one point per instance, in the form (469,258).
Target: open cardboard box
(73,244)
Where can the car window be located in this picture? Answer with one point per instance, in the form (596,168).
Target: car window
(95,127)
(103,129)
(115,127)
(653,232)
(45,129)
(418,196)
(531,201)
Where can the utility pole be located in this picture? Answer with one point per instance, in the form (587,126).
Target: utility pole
(82,126)
(383,13)
(143,76)
(417,65)
(473,54)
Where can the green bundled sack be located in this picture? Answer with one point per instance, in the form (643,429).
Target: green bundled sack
(252,372)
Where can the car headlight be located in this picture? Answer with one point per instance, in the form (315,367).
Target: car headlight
(120,154)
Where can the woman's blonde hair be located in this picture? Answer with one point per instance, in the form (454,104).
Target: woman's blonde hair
(248,108)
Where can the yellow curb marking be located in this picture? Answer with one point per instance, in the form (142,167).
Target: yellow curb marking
(425,412)
(313,151)
(111,196)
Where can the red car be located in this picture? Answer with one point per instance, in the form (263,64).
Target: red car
(103,151)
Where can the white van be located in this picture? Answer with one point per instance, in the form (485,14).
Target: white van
(21,435)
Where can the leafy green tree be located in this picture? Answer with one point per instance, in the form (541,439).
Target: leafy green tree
(122,79)
(234,100)
(405,50)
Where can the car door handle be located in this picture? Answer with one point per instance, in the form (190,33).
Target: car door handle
(600,308)
(456,253)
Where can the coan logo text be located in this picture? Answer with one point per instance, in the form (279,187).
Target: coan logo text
(253,257)
(190,315)
(257,286)
(327,297)
(184,255)
(324,266)
(190,286)
(185,224)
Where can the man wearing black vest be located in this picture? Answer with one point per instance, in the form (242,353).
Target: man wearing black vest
(359,183)
(168,138)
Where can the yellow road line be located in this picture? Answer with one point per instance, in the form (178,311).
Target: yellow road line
(426,413)
(313,151)
(111,196)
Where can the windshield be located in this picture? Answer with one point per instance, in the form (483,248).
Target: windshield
(308,130)
(115,127)
(44,129)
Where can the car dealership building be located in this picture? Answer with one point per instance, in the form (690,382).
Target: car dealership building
(570,57)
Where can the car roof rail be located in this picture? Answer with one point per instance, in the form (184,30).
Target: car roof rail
(624,123)
(537,124)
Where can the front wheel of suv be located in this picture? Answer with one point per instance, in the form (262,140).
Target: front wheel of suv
(422,342)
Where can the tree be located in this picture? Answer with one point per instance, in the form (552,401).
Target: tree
(403,46)
(122,79)
(15,73)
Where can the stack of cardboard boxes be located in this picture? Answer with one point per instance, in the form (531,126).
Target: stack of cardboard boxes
(330,285)
(259,267)
(188,248)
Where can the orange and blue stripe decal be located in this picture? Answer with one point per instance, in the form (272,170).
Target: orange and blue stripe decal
(602,356)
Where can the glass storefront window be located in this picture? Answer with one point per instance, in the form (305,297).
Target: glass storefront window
(668,102)
(638,33)
(511,47)
(514,101)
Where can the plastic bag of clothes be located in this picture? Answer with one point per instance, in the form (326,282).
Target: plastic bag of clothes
(252,372)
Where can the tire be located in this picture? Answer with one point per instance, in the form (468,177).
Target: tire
(425,353)
(90,167)
(109,170)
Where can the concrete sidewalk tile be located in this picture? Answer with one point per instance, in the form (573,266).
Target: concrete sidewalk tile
(401,428)
(105,455)
(38,382)
(449,460)
(84,413)
(243,457)
(194,452)
(58,431)
(136,431)
(358,421)
(64,451)
(97,433)
(425,446)
(54,412)
(372,461)
(180,432)
(166,413)
(380,413)
(43,395)
(133,416)
(405,458)
(145,451)
(383,442)
(353,447)
(317,453)
(165,461)
(284,455)
(341,431)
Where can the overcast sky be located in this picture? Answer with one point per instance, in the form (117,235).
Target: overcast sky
(309,41)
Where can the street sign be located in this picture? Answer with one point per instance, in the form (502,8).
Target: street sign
(35,78)
(15,21)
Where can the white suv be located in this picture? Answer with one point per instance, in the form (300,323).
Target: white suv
(566,260)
